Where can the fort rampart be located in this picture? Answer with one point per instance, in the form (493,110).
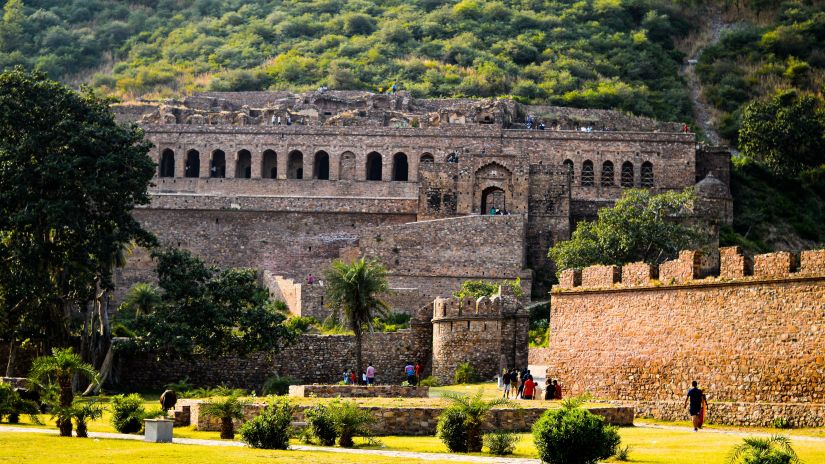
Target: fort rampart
(750,336)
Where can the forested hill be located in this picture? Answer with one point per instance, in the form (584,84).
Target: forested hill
(602,54)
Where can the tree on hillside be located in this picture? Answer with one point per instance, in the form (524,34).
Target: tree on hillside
(785,132)
(59,370)
(70,176)
(204,310)
(353,293)
(641,226)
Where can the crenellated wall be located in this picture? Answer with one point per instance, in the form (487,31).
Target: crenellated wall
(489,333)
(746,337)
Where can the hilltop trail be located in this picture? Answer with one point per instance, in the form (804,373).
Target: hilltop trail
(702,114)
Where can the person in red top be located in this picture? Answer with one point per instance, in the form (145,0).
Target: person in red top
(352,378)
(417,374)
(557,390)
(529,388)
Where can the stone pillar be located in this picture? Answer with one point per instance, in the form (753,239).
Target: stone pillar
(180,163)
(282,161)
(386,167)
(360,166)
(206,164)
(334,166)
(257,159)
(412,163)
(309,164)
(231,162)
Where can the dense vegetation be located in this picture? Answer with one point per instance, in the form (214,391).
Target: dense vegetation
(593,53)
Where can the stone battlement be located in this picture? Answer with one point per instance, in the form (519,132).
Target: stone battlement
(685,269)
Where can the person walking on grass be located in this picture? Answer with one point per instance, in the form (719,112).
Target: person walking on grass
(698,403)
(505,382)
(370,374)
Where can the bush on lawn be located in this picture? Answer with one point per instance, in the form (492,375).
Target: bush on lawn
(465,373)
(226,409)
(128,413)
(350,421)
(321,425)
(451,429)
(500,443)
(272,428)
(572,435)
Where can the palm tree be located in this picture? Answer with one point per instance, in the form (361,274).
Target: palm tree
(352,292)
(226,409)
(474,410)
(758,450)
(83,412)
(143,298)
(60,369)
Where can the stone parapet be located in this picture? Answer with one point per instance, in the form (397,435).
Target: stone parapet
(601,276)
(812,262)
(422,421)
(779,264)
(733,264)
(570,278)
(358,391)
(636,274)
(683,269)
(738,414)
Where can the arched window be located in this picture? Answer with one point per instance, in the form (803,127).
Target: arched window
(568,167)
(295,165)
(269,165)
(374,166)
(426,158)
(647,174)
(192,168)
(320,167)
(607,174)
(167,163)
(627,174)
(400,168)
(218,165)
(493,201)
(243,168)
(346,166)
(587,174)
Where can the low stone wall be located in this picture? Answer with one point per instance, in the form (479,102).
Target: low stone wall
(357,391)
(420,421)
(739,414)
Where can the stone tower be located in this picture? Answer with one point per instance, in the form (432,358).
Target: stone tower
(489,333)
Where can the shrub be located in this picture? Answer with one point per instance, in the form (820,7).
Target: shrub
(572,435)
(465,373)
(500,442)
(350,420)
(277,385)
(83,412)
(226,409)
(128,413)
(623,453)
(321,424)
(451,430)
(781,423)
(12,405)
(430,382)
(758,450)
(272,428)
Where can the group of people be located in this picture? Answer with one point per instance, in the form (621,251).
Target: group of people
(520,384)
(413,373)
(367,377)
(498,211)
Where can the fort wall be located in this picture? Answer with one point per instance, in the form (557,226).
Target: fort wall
(746,338)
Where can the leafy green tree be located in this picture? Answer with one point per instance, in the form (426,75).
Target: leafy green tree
(642,226)
(206,310)
(758,450)
(69,177)
(352,292)
(59,370)
(786,132)
(226,409)
(464,418)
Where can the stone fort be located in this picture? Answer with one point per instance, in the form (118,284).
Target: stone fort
(286,183)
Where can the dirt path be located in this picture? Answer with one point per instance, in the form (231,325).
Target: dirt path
(702,113)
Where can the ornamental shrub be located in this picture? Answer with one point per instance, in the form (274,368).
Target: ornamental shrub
(501,442)
(272,428)
(451,429)
(572,435)
(321,424)
(465,373)
(128,413)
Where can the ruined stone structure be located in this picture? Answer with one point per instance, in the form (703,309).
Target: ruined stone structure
(752,336)
(288,182)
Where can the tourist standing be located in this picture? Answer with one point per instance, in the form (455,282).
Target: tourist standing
(505,381)
(346,377)
(352,378)
(370,374)
(513,382)
(556,390)
(549,390)
(697,400)
(409,371)
(417,374)
(529,388)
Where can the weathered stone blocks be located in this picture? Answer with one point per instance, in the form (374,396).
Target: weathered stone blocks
(638,274)
(683,269)
(570,278)
(733,264)
(812,262)
(358,391)
(778,264)
(601,276)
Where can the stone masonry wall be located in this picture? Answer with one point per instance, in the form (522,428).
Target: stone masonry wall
(754,339)
(312,359)
(358,391)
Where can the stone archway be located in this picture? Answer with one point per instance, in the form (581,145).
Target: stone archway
(492,186)
(493,197)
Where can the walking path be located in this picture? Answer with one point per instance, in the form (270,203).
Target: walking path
(229,443)
(737,433)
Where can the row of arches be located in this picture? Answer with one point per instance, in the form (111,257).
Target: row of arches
(627,174)
(217,165)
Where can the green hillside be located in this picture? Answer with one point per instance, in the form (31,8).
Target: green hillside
(613,54)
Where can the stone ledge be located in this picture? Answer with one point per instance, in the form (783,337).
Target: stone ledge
(357,391)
